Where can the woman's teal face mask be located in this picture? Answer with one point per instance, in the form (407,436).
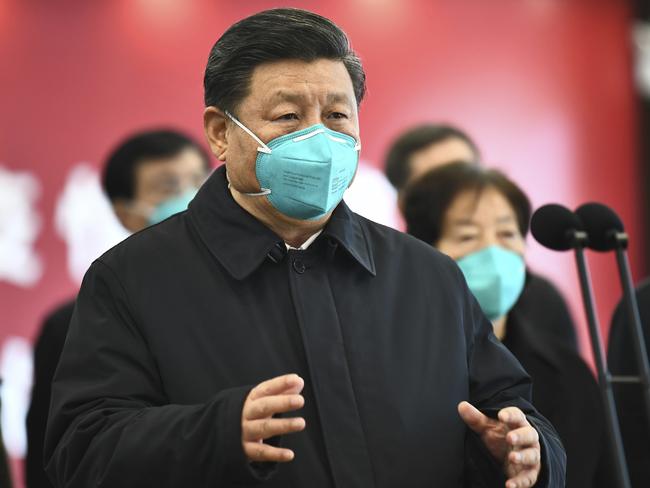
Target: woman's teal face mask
(495,277)
(304,174)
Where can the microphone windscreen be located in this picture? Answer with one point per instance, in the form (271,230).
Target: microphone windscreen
(551,225)
(600,222)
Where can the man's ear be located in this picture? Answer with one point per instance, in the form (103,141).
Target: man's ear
(214,124)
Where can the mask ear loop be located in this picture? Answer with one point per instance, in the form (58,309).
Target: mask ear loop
(357,148)
(263,148)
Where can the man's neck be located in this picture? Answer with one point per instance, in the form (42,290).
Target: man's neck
(500,327)
(292,231)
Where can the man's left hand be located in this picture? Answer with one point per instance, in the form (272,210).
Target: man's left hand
(510,439)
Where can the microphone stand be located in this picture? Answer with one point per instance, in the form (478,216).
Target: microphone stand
(634,320)
(579,242)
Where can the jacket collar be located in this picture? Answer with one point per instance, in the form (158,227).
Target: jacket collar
(241,243)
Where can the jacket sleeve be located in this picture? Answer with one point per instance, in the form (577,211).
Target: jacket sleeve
(110,423)
(497,380)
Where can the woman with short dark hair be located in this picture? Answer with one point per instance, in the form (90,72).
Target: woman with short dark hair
(479,218)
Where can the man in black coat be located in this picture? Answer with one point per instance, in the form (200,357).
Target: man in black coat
(270,335)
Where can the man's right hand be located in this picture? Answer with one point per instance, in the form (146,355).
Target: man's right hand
(277,395)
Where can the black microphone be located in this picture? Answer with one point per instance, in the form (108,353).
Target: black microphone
(606,233)
(604,227)
(556,227)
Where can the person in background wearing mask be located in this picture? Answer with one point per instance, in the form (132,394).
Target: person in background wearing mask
(148,177)
(425,147)
(479,218)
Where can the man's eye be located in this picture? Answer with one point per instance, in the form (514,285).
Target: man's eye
(290,116)
(466,238)
(338,115)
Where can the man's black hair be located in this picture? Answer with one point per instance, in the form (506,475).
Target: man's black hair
(398,159)
(274,35)
(118,178)
(428,198)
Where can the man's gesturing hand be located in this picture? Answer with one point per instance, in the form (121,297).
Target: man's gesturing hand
(277,395)
(510,439)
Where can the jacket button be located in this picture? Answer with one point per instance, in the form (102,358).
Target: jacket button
(298,266)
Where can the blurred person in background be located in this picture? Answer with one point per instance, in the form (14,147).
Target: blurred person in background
(479,218)
(621,358)
(5,473)
(148,177)
(425,147)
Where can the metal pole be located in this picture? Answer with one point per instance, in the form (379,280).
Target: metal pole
(634,319)
(604,382)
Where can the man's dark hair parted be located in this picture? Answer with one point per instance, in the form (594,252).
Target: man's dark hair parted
(398,158)
(274,35)
(118,178)
(428,198)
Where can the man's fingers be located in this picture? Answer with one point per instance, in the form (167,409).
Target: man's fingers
(523,437)
(260,452)
(525,457)
(269,406)
(288,383)
(524,479)
(513,417)
(474,419)
(255,430)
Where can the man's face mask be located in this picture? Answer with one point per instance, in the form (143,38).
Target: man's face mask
(496,277)
(304,174)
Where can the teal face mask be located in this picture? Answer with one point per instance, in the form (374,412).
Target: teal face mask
(304,174)
(172,206)
(496,277)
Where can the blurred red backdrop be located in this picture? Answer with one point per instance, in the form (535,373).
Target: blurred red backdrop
(544,86)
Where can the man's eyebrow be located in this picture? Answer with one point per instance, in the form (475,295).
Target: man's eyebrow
(285,96)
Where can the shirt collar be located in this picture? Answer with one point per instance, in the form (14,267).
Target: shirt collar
(241,243)
(306,244)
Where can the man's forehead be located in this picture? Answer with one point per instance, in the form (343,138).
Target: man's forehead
(289,79)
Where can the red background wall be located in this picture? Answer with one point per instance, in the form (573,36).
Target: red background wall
(545,87)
